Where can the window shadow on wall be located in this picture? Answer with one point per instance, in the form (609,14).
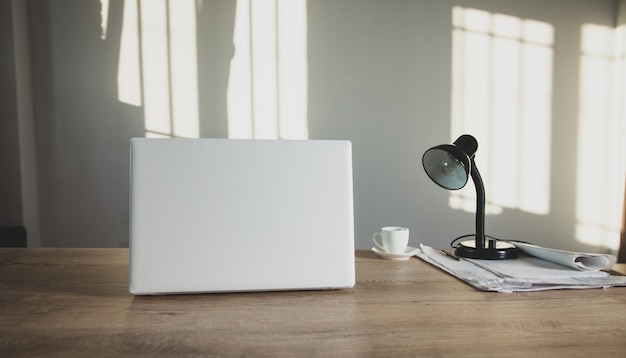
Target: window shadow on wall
(502,92)
(248,62)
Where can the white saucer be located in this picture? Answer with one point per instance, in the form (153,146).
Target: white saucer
(410,251)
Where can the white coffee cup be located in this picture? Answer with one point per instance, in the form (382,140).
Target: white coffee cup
(395,239)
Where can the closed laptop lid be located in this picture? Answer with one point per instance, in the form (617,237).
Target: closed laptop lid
(219,215)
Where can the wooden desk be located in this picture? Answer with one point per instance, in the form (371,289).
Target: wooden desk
(75,302)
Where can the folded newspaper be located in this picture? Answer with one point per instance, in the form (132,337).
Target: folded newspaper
(537,269)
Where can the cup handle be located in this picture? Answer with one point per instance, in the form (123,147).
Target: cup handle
(376,243)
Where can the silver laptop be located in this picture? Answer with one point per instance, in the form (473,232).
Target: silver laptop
(228,215)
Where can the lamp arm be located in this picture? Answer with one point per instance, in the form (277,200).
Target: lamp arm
(480,206)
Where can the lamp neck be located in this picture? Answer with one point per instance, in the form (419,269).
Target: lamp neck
(480,206)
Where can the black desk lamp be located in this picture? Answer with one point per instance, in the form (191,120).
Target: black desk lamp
(448,165)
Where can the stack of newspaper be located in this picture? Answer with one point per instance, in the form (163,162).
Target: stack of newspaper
(538,268)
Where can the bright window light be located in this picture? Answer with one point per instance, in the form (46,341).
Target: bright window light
(502,94)
(264,68)
(129,69)
(104,18)
(267,89)
(601,137)
(183,68)
(158,65)
(155,66)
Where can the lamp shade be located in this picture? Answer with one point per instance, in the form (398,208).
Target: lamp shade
(449,165)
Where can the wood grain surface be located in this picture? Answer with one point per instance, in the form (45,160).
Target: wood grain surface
(75,302)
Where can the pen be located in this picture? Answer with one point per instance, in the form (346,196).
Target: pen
(450,253)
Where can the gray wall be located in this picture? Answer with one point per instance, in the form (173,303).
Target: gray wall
(379,75)
(10,188)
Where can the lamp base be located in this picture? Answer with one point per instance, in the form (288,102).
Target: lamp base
(500,251)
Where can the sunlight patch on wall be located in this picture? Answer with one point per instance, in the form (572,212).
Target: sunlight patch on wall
(502,94)
(183,68)
(129,70)
(155,66)
(104,18)
(158,65)
(601,136)
(267,89)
